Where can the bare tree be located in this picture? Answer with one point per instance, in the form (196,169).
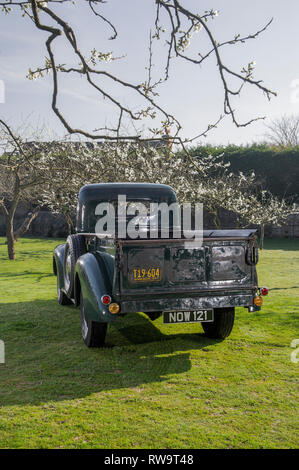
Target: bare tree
(18,176)
(284,131)
(25,170)
(176,26)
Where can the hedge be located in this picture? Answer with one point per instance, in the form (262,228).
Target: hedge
(277,169)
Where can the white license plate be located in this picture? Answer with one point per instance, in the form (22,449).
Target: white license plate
(194,316)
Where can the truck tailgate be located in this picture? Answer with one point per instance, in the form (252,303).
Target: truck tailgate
(165,266)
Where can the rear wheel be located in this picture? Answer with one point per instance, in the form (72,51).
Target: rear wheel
(93,332)
(74,248)
(222,325)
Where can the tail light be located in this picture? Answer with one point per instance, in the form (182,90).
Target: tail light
(258,300)
(264,291)
(114,308)
(106,299)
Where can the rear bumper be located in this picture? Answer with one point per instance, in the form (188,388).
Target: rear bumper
(244,299)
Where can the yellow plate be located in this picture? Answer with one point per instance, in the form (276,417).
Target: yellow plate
(146,274)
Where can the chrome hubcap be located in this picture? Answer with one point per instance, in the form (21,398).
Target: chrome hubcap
(84,327)
(68,267)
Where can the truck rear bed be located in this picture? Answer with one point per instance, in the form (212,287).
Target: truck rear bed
(161,274)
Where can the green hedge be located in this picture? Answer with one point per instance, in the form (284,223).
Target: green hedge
(278,170)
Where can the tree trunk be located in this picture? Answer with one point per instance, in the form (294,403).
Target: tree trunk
(10,238)
(262,236)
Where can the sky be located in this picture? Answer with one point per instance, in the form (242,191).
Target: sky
(193,94)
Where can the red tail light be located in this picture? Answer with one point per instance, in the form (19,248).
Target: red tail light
(264,291)
(106,299)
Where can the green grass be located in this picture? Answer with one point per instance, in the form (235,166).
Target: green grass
(154,386)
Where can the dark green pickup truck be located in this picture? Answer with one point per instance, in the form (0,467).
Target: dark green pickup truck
(109,276)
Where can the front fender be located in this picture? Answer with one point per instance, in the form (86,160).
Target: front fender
(58,258)
(94,282)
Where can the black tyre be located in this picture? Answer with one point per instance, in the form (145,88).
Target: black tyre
(74,248)
(153,315)
(93,332)
(222,325)
(62,298)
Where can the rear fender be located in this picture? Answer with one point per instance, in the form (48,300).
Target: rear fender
(94,282)
(58,260)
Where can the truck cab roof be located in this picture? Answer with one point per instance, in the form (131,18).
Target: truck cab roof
(91,195)
(110,191)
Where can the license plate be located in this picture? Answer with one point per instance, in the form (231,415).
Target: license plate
(146,274)
(195,316)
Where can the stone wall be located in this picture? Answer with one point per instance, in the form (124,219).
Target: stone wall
(46,224)
(287,230)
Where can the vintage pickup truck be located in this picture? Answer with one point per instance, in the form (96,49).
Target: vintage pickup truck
(109,276)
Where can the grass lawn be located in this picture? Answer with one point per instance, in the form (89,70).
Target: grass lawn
(154,386)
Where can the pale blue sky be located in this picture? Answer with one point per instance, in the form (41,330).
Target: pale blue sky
(193,94)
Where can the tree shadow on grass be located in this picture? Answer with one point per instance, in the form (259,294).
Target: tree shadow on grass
(46,359)
(26,274)
(283,244)
(283,288)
